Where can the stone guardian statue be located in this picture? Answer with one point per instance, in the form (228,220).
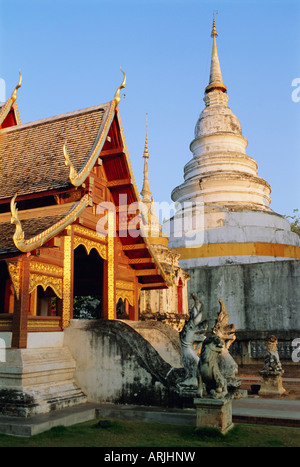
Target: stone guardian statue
(271,374)
(212,383)
(228,366)
(191,338)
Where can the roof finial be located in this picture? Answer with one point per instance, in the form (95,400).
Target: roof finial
(14,94)
(146,154)
(146,192)
(117,97)
(215,79)
(214,30)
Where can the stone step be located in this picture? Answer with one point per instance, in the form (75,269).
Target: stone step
(35,381)
(34,425)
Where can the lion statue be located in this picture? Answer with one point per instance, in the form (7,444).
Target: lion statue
(211,381)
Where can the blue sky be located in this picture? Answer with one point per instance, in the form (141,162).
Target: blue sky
(70,53)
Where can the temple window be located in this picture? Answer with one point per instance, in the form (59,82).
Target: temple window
(43,302)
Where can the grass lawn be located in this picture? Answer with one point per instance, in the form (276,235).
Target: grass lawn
(121,433)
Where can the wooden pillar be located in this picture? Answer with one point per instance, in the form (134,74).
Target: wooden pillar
(179,297)
(105,291)
(68,279)
(109,273)
(134,310)
(21,307)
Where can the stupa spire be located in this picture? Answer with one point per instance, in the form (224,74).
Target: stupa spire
(146,192)
(215,78)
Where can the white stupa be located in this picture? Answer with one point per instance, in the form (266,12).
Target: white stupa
(224,204)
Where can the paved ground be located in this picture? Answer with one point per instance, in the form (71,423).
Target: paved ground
(291,379)
(283,412)
(279,410)
(249,410)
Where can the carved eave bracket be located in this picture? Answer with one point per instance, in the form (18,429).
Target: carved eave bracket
(125,290)
(38,240)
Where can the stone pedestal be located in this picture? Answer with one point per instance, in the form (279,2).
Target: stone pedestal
(271,385)
(214,413)
(35,381)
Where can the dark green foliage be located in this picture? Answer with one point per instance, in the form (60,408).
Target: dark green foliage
(87,307)
(294,221)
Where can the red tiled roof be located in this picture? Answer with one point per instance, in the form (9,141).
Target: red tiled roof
(31,155)
(34,222)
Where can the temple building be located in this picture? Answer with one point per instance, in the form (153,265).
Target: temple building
(233,245)
(71,232)
(68,202)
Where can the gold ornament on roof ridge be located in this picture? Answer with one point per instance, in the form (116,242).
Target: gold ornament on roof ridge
(73,175)
(19,233)
(38,240)
(117,97)
(9,103)
(14,94)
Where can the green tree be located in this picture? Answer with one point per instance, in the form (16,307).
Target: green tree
(87,307)
(295,221)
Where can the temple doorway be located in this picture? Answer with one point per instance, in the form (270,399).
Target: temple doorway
(179,296)
(88,284)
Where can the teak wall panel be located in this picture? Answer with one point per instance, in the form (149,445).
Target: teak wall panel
(99,192)
(124,273)
(52,255)
(89,218)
